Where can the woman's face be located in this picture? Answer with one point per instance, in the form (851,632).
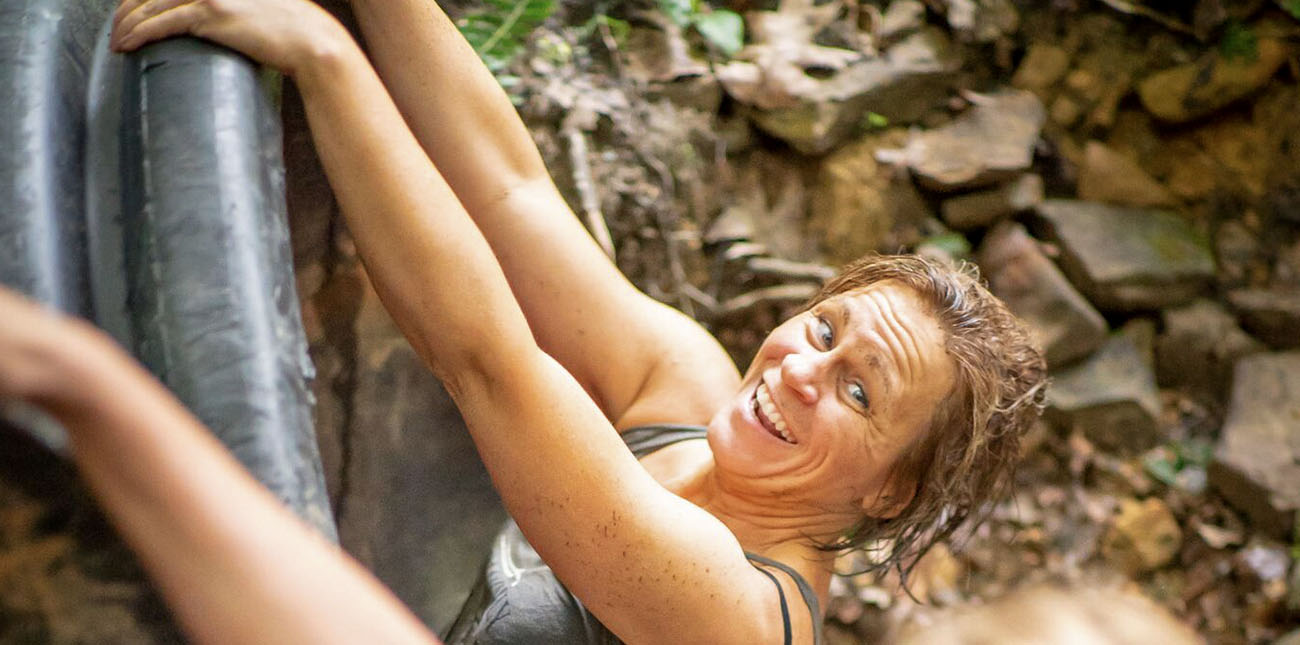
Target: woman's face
(833,398)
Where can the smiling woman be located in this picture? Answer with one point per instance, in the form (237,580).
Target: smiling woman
(660,497)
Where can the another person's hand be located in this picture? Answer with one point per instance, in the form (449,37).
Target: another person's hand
(39,349)
(285,34)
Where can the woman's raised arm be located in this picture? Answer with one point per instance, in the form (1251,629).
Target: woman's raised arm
(582,310)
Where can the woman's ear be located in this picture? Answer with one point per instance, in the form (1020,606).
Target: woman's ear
(892,498)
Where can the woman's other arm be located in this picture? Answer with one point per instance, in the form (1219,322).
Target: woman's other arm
(623,346)
(233,563)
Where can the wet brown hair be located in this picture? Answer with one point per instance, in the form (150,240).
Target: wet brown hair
(967,456)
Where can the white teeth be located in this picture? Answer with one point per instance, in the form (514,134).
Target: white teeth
(769,409)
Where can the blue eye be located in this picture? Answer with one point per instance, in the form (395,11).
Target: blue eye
(825,334)
(858,394)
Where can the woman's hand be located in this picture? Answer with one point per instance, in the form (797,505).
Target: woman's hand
(286,34)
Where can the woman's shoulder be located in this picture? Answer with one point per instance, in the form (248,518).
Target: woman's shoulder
(681,394)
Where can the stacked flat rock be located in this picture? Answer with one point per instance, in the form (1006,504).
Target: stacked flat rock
(1062,321)
(1111,397)
(1128,259)
(1257,462)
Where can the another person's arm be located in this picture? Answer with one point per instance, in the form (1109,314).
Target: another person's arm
(638,357)
(233,563)
(649,564)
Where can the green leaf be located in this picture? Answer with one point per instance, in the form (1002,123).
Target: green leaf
(678,11)
(1239,42)
(725,29)
(1194,452)
(1163,470)
(498,32)
(617,28)
(876,121)
(954,244)
(1291,6)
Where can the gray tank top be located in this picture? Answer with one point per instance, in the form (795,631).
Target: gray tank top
(519,600)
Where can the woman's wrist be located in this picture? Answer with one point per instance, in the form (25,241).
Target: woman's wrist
(323,55)
(80,365)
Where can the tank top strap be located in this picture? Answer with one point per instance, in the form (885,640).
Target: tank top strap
(805,590)
(643,440)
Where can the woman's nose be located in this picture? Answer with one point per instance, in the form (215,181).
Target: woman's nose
(799,374)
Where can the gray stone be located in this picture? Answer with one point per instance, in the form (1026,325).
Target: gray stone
(992,141)
(1256,464)
(1109,176)
(984,208)
(1127,259)
(1111,397)
(1198,347)
(813,97)
(1263,560)
(661,59)
(1064,324)
(1272,315)
(900,18)
(984,21)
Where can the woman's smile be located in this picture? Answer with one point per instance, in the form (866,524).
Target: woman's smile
(769,416)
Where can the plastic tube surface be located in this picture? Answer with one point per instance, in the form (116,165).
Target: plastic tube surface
(209,276)
(44,54)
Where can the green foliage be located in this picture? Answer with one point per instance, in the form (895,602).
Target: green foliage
(498,32)
(724,29)
(954,244)
(1290,6)
(1239,42)
(875,121)
(678,11)
(1166,463)
(618,29)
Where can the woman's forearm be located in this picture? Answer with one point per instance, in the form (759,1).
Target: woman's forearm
(234,564)
(455,107)
(430,264)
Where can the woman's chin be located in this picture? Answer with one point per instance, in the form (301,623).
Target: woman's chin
(740,442)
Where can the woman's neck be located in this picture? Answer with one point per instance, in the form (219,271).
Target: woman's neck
(763,524)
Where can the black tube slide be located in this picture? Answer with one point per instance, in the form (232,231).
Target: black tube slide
(209,276)
(44,50)
(146,192)
(44,54)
